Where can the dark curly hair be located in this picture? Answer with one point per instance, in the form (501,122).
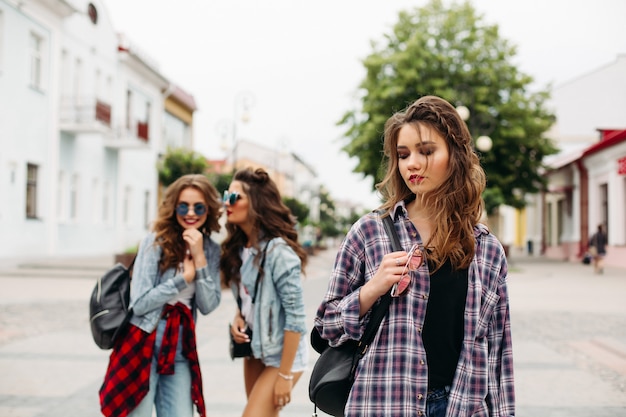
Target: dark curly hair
(270,218)
(169,231)
(457,205)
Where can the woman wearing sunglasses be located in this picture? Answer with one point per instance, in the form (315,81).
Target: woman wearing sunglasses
(175,273)
(444,347)
(262,243)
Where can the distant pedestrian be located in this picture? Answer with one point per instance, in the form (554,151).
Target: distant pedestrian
(262,243)
(176,272)
(444,348)
(597,249)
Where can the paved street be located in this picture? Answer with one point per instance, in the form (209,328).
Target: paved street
(569,334)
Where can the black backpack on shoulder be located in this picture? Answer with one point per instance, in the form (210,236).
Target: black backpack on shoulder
(108,307)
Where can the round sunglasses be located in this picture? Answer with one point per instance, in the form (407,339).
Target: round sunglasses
(183,208)
(231,198)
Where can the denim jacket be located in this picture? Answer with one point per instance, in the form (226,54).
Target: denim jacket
(279,304)
(150,289)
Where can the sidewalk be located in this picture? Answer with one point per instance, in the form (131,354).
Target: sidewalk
(569,336)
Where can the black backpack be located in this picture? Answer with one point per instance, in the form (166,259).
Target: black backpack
(108,307)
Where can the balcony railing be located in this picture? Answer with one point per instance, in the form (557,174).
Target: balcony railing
(85,114)
(132,137)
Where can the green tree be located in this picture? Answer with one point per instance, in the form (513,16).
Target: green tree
(220,181)
(298,209)
(178,162)
(452,53)
(329,224)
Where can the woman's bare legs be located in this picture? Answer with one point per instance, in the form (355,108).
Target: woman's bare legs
(259,382)
(252,369)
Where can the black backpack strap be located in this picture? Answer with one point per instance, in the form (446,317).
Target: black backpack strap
(258,277)
(379,312)
(390,228)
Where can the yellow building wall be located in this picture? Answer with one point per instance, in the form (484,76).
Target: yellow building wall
(178,110)
(521,228)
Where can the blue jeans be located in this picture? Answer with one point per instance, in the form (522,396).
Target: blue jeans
(437,401)
(169,394)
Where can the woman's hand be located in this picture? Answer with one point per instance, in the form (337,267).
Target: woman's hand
(238,329)
(194,239)
(389,272)
(282,391)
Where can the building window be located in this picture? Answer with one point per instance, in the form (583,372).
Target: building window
(98,84)
(126,208)
(108,89)
(61,194)
(95,206)
(176,133)
(36,50)
(78,80)
(106,202)
(143,127)
(74,197)
(129,109)
(560,212)
(66,77)
(93,13)
(31,191)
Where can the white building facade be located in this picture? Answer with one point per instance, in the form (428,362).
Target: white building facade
(81,122)
(587,180)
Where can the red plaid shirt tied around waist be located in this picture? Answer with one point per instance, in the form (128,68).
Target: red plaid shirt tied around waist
(127,379)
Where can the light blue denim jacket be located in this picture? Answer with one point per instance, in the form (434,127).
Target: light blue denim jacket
(279,305)
(150,289)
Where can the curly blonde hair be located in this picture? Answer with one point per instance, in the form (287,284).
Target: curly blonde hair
(457,205)
(169,231)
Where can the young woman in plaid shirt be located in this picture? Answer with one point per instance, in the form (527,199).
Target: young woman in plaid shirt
(444,347)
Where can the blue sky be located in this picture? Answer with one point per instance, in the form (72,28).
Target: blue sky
(302,61)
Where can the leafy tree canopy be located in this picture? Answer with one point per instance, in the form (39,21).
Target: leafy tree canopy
(452,53)
(328,219)
(299,210)
(178,162)
(220,181)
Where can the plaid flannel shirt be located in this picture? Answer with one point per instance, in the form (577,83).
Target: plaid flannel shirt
(392,377)
(127,379)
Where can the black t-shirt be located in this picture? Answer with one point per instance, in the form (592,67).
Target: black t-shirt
(444,324)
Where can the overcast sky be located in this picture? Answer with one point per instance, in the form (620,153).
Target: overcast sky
(301,61)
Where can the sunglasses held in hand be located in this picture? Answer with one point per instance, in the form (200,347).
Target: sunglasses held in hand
(183,208)
(231,198)
(415,259)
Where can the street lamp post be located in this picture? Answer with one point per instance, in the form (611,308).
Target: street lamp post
(244,101)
